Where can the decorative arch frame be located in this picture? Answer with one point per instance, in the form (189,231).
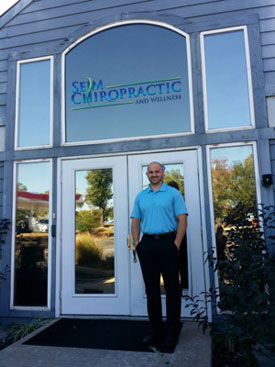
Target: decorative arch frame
(110,26)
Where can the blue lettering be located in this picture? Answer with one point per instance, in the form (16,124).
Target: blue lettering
(75,86)
(122,92)
(160,85)
(87,98)
(148,90)
(114,91)
(174,88)
(97,86)
(73,98)
(140,91)
(82,86)
(103,96)
(131,92)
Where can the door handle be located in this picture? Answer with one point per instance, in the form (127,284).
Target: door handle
(53,230)
(131,246)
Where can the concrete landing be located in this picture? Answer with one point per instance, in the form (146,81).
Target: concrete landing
(193,350)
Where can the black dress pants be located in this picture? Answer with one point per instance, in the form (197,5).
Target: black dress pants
(161,256)
(184,264)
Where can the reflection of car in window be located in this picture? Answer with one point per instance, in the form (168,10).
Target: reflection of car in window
(42,225)
(109,222)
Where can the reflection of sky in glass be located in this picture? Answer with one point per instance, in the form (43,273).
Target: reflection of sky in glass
(124,55)
(226,78)
(34,104)
(81,183)
(232,154)
(36,176)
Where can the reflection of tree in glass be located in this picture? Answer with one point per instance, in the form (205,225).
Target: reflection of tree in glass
(233,187)
(99,191)
(21,187)
(175,175)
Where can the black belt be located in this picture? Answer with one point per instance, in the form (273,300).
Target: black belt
(161,235)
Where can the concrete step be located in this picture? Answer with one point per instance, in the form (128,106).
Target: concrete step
(193,350)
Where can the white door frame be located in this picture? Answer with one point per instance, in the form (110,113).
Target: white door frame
(59,205)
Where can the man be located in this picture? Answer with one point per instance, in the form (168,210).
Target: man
(161,215)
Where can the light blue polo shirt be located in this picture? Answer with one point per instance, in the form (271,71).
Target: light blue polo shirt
(158,210)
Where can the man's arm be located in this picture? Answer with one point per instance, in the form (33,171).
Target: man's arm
(135,229)
(181,229)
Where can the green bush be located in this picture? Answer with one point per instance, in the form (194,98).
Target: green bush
(87,220)
(20,330)
(245,295)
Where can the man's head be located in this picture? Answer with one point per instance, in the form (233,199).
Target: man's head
(155,174)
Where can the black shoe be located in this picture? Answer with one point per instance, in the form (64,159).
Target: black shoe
(152,339)
(169,342)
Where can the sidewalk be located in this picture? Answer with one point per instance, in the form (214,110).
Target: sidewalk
(193,350)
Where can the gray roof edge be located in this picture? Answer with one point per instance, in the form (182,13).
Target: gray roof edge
(13,11)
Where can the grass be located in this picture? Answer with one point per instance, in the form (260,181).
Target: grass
(16,331)
(88,249)
(104,232)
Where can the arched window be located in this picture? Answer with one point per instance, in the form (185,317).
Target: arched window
(128,81)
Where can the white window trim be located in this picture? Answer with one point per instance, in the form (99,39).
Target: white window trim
(49,280)
(209,178)
(16,135)
(118,24)
(249,79)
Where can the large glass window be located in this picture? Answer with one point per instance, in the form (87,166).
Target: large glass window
(32,234)
(34,104)
(228,103)
(233,192)
(128,81)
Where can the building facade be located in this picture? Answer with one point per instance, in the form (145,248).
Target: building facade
(93,91)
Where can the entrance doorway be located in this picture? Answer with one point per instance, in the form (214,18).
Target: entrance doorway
(98,273)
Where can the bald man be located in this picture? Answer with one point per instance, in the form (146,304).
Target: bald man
(160,214)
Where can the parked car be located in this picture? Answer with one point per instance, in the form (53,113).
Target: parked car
(42,225)
(109,222)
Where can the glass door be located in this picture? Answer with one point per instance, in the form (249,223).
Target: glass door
(96,277)
(182,168)
(95,274)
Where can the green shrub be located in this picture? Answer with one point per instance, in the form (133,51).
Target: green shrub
(87,220)
(245,295)
(88,250)
(20,330)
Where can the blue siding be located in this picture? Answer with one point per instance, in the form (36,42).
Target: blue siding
(272,154)
(1,187)
(34,24)
(46,27)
